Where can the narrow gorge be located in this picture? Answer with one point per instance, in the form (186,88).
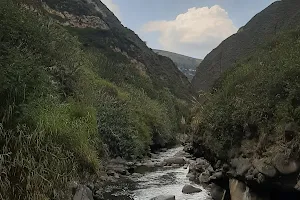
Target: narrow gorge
(89,112)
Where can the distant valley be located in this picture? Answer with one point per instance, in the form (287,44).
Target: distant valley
(186,64)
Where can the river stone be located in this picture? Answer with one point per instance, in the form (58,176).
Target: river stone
(162,197)
(210,169)
(242,165)
(284,165)
(217,193)
(189,189)
(216,176)
(176,160)
(83,193)
(265,168)
(204,177)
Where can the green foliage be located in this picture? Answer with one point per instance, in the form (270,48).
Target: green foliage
(59,116)
(263,91)
(33,166)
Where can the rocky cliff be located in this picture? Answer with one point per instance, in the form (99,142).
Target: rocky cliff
(186,64)
(279,16)
(97,27)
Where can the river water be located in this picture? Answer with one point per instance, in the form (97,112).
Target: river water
(158,181)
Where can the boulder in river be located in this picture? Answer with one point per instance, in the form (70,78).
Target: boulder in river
(176,160)
(163,197)
(189,189)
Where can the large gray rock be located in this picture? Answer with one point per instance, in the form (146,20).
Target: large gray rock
(163,197)
(217,176)
(176,160)
(189,189)
(217,193)
(83,193)
(263,167)
(242,165)
(204,177)
(285,165)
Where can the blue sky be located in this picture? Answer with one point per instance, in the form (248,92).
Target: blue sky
(190,27)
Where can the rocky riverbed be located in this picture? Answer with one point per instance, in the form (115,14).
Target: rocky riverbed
(164,176)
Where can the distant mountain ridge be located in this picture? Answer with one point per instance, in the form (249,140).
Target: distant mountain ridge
(186,64)
(279,16)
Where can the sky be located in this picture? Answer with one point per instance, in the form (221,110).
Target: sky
(188,27)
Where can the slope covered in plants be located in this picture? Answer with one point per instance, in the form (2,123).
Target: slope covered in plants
(261,91)
(62,111)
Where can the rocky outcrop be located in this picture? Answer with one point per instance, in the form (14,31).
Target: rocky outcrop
(280,16)
(269,177)
(97,27)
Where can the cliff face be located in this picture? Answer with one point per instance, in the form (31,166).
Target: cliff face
(97,27)
(279,16)
(186,64)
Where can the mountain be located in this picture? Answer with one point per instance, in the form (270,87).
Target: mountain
(77,89)
(279,16)
(186,64)
(248,126)
(97,27)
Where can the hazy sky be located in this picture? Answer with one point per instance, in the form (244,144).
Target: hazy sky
(189,27)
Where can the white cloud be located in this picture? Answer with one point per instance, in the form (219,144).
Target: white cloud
(112,7)
(195,32)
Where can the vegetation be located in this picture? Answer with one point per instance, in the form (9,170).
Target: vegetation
(63,109)
(263,91)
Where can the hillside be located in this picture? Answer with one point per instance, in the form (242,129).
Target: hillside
(248,126)
(98,28)
(279,16)
(76,90)
(186,64)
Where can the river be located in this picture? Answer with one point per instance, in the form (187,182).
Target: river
(158,181)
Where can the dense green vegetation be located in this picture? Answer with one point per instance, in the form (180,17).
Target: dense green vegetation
(63,109)
(262,91)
